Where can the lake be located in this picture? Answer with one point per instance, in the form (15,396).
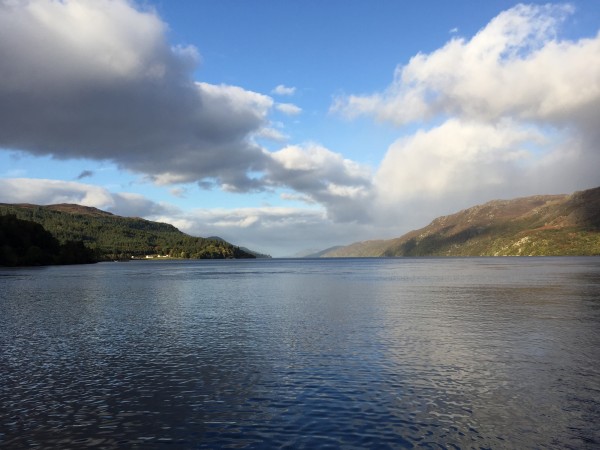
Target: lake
(328,353)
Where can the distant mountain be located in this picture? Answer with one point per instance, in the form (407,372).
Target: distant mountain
(318,254)
(256,254)
(115,237)
(539,225)
(357,249)
(252,252)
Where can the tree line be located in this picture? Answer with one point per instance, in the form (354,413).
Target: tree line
(111,237)
(26,243)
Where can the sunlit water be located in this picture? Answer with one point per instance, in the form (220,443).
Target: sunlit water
(357,353)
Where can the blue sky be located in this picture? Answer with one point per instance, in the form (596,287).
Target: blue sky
(285,125)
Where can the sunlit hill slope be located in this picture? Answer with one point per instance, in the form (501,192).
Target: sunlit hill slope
(536,226)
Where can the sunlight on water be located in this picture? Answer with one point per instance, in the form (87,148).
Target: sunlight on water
(459,353)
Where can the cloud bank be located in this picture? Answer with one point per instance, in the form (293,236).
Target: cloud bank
(121,93)
(324,177)
(49,192)
(280,231)
(97,79)
(515,66)
(512,111)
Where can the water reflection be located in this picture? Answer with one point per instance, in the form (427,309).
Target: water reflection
(340,353)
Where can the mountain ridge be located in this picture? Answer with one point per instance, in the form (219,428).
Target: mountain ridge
(565,224)
(71,208)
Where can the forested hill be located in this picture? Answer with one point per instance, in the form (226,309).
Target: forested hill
(541,225)
(116,237)
(26,243)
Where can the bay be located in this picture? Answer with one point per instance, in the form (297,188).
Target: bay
(326,353)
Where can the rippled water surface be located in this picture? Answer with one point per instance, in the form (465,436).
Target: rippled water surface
(356,353)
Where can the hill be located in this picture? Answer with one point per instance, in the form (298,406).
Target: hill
(319,254)
(26,243)
(115,237)
(256,254)
(542,225)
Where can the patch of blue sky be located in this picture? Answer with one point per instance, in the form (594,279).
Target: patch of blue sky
(23,165)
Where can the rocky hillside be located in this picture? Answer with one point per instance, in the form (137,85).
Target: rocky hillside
(538,225)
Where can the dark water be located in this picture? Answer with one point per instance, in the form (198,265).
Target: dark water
(360,353)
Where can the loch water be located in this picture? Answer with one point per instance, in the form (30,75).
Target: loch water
(324,353)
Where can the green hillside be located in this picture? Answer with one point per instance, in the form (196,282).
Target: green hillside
(26,243)
(543,225)
(116,237)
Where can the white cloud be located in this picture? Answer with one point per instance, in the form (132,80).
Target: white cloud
(288,108)
(40,191)
(224,99)
(313,158)
(296,198)
(272,134)
(121,93)
(46,192)
(274,230)
(98,80)
(178,192)
(512,111)
(456,156)
(341,185)
(137,205)
(283,90)
(513,67)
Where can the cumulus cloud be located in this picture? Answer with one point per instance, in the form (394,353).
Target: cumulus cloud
(136,205)
(455,156)
(283,90)
(511,111)
(326,177)
(272,134)
(48,192)
(178,192)
(461,163)
(45,192)
(120,93)
(288,108)
(278,231)
(296,198)
(515,66)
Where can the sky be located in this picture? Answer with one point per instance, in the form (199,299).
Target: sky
(289,126)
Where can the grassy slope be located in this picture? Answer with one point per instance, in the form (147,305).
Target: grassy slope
(538,225)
